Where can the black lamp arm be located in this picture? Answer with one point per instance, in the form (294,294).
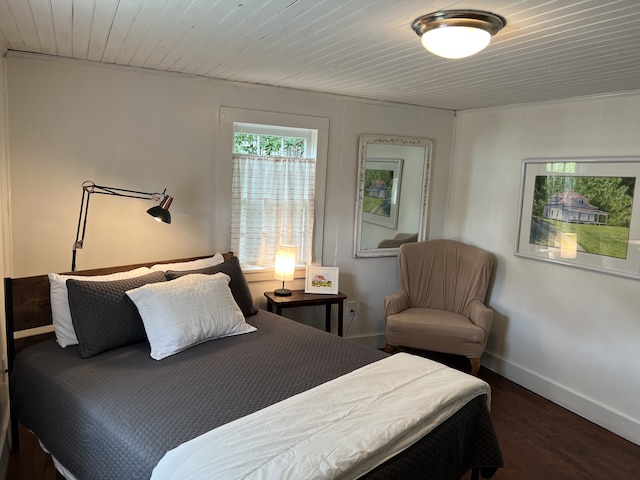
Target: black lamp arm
(84,209)
(89,188)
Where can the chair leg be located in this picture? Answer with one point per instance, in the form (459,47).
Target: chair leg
(390,348)
(475,366)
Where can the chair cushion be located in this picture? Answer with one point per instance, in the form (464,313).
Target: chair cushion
(435,330)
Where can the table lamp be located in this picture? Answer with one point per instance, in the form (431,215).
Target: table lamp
(285,267)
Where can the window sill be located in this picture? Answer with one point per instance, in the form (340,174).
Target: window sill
(261,274)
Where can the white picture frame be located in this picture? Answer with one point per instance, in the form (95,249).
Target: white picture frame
(320,279)
(617,251)
(381,194)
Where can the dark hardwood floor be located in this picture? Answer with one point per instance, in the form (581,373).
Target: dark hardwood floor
(542,441)
(30,462)
(539,441)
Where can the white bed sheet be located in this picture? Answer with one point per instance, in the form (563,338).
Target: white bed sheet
(341,429)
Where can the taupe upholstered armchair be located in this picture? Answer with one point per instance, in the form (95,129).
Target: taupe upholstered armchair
(398,240)
(441,303)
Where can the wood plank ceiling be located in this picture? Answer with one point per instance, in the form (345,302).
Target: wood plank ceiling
(550,49)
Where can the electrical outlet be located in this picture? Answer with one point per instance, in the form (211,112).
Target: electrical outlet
(352,307)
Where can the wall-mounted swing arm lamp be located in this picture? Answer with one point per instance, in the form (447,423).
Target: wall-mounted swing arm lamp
(160,212)
(457,33)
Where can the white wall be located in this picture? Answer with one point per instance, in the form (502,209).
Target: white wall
(72,121)
(4,251)
(566,333)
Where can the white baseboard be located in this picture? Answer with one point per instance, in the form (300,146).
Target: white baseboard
(594,411)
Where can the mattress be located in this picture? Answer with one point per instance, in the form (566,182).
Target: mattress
(115,415)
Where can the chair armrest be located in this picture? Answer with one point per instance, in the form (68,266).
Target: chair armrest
(395,303)
(481,315)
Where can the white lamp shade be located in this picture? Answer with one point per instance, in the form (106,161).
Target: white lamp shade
(286,256)
(455,41)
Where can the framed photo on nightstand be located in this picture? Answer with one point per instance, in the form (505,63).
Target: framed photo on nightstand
(321,280)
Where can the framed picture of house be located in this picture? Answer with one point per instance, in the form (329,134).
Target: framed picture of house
(582,212)
(321,280)
(381,195)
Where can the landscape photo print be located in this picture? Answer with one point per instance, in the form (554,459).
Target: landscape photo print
(382,182)
(580,212)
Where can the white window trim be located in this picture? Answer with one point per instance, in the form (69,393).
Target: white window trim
(221,233)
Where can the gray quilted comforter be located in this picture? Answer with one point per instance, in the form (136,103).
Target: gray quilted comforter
(113,416)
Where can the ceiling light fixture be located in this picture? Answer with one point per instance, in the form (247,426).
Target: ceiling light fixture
(457,33)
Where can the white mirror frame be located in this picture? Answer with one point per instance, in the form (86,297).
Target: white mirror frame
(367,140)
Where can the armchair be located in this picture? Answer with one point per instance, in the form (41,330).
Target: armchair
(441,303)
(398,240)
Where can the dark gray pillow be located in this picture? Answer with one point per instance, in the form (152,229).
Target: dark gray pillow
(238,284)
(103,316)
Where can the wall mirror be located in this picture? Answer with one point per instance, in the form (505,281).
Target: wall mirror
(393,191)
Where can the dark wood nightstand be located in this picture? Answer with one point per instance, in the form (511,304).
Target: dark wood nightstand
(298,298)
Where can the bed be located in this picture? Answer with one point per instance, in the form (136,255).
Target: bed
(119,413)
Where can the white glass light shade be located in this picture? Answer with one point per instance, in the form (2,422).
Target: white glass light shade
(457,33)
(456,41)
(285,262)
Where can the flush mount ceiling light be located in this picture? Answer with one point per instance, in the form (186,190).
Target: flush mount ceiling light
(457,33)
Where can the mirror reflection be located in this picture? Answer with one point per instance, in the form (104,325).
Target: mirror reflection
(393,183)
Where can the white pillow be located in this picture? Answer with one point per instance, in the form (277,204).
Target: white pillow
(186,311)
(191,265)
(60,313)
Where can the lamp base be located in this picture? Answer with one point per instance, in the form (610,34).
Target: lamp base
(282,292)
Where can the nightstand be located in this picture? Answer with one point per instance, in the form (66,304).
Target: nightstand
(298,298)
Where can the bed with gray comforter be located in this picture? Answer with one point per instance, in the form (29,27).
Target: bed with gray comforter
(115,414)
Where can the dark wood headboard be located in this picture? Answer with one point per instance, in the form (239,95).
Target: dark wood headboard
(27,304)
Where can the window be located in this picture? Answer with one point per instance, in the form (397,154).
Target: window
(274,145)
(272,191)
(315,131)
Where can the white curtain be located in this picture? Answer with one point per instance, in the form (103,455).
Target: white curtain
(272,202)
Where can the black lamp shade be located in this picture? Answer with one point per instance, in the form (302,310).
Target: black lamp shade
(161,212)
